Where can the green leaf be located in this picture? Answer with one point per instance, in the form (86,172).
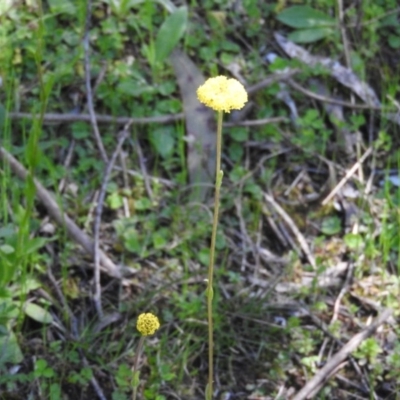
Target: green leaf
(394,41)
(80,130)
(8,310)
(131,241)
(236,151)
(169,6)
(29,285)
(390,20)
(10,351)
(239,133)
(310,35)
(353,241)
(114,201)
(170,33)
(62,7)
(143,204)
(34,244)
(7,249)
(4,293)
(204,256)
(55,391)
(123,376)
(132,87)
(331,226)
(163,140)
(38,313)
(305,17)
(160,238)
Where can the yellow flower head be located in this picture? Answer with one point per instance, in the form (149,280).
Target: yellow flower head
(147,324)
(222,94)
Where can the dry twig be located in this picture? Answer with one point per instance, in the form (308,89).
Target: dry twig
(299,236)
(60,217)
(97,221)
(325,99)
(348,175)
(329,368)
(54,118)
(89,94)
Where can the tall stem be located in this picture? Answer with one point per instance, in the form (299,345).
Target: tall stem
(210,293)
(135,371)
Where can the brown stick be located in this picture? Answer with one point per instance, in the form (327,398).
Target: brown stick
(329,368)
(97,221)
(50,118)
(74,232)
(89,93)
(55,118)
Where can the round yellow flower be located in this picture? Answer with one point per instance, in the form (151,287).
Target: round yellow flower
(222,94)
(147,324)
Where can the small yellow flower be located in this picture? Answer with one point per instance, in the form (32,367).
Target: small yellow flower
(147,324)
(222,94)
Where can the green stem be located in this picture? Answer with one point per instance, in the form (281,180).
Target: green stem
(218,181)
(135,372)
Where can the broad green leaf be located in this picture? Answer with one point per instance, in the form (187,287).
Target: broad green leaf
(204,256)
(239,133)
(131,241)
(236,151)
(390,20)
(132,87)
(8,309)
(55,391)
(159,238)
(143,204)
(115,201)
(7,268)
(23,289)
(8,230)
(310,35)
(34,244)
(10,352)
(38,313)
(4,293)
(331,225)
(353,240)
(305,17)
(80,130)
(167,4)
(170,33)
(7,249)
(62,7)
(163,140)
(394,41)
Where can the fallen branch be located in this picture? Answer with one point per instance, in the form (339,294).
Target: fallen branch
(97,221)
(74,232)
(89,92)
(54,118)
(348,175)
(299,236)
(329,368)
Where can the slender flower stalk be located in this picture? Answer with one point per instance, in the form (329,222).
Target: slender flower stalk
(221,94)
(147,324)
